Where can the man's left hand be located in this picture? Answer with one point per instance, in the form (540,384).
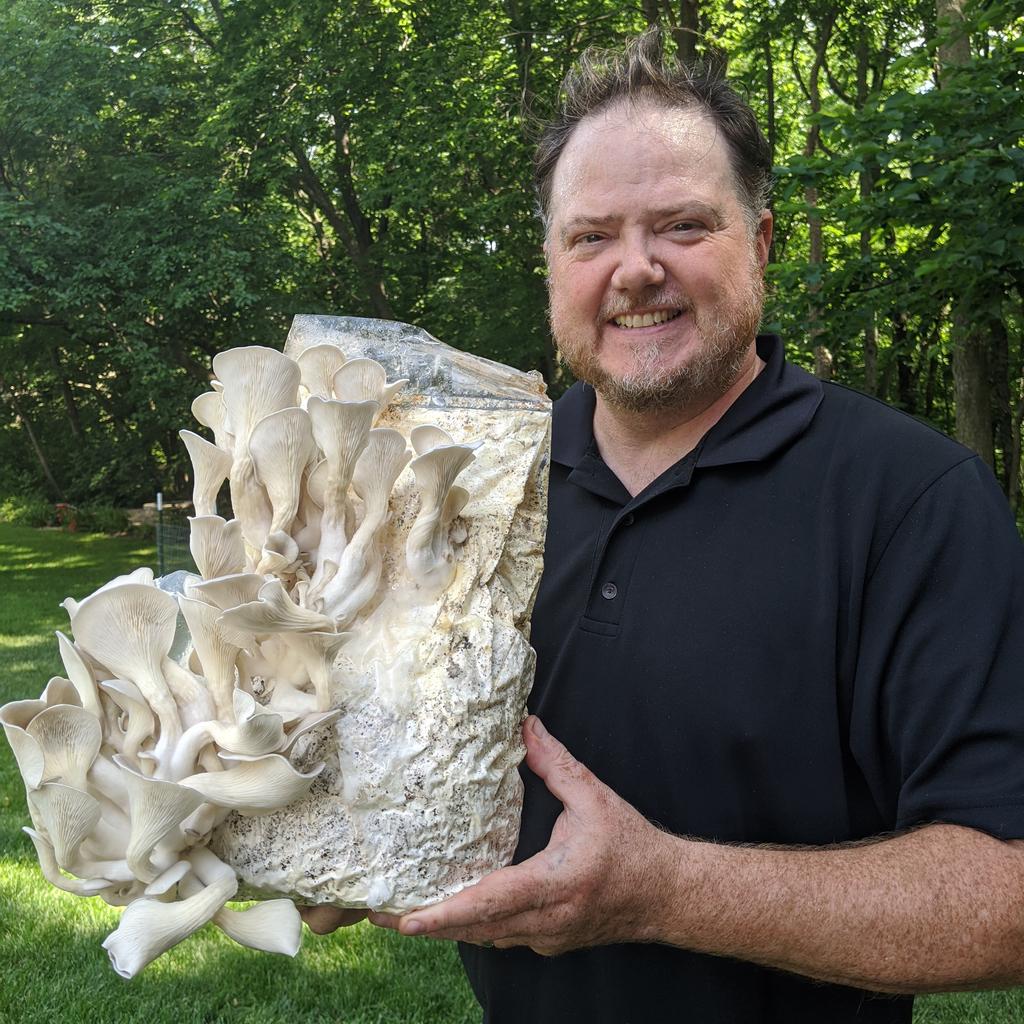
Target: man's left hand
(596,882)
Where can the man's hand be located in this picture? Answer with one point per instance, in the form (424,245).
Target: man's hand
(324,920)
(593,884)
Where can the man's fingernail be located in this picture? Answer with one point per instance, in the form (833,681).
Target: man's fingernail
(414,928)
(538,729)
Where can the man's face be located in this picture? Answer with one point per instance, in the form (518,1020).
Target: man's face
(655,278)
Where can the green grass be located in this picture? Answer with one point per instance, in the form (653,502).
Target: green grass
(52,967)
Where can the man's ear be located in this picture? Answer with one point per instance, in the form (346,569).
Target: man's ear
(763,239)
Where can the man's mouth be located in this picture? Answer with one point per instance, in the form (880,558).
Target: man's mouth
(658,316)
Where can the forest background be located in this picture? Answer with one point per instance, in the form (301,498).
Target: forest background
(178,177)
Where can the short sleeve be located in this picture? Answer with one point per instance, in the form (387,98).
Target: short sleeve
(937,723)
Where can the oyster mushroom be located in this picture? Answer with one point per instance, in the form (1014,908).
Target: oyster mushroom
(257,382)
(51,870)
(156,809)
(136,719)
(253,785)
(217,649)
(274,612)
(69,739)
(130,629)
(229,591)
(317,653)
(66,817)
(80,675)
(342,431)
(210,411)
(358,573)
(428,549)
(281,445)
(216,546)
(317,367)
(210,468)
(149,926)
(365,380)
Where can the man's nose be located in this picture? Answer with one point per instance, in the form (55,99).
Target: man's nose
(638,266)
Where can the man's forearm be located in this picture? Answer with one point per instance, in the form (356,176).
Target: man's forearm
(939,908)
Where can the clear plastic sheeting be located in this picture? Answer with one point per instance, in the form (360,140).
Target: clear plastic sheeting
(420,795)
(439,375)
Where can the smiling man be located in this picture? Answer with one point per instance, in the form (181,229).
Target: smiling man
(779,635)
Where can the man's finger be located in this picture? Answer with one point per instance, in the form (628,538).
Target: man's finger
(499,895)
(323,920)
(550,761)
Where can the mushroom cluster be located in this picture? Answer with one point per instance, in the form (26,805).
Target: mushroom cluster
(148,745)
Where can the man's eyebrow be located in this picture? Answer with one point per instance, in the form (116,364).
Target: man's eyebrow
(681,210)
(585,221)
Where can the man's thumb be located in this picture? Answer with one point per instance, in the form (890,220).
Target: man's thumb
(550,761)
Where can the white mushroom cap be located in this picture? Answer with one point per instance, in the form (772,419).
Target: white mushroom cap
(130,629)
(150,927)
(69,738)
(253,786)
(66,817)
(210,468)
(229,591)
(14,717)
(216,546)
(317,365)
(80,675)
(217,649)
(210,411)
(257,382)
(365,380)
(281,445)
(274,612)
(272,927)
(377,469)
(156,809)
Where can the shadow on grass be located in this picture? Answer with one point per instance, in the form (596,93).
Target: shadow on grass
(54,968)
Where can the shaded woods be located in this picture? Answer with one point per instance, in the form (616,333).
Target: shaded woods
(178,178)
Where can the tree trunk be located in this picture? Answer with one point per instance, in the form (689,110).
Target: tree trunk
(686,31)
(70,405)
(866,185)
(352,227)
(971,383)
(970,342)
(23,418)
(1002,405)
(823,358)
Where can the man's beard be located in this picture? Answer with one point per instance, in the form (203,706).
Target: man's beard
(724,336)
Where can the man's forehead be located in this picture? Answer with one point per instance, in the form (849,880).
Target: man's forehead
(614,145)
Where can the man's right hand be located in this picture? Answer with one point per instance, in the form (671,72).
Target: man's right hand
(324,920)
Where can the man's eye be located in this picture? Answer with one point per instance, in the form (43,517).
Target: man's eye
(687,225)
(591,238)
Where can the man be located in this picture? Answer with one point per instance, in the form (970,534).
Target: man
(780,624)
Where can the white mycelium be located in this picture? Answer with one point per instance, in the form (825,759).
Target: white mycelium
(364,616)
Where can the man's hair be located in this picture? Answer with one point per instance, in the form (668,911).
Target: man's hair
(640,73)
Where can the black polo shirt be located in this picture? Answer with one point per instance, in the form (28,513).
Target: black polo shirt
(808,630)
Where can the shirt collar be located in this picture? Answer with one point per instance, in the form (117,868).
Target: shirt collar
(767,417)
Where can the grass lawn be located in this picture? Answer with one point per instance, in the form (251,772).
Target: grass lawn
(52,968)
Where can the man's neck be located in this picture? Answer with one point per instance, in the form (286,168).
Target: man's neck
(639,446)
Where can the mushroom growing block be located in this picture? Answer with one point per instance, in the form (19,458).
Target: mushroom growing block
(330,711)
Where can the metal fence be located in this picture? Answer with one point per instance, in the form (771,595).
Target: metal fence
(172,532)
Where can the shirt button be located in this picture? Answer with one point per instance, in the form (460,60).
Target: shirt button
(628,519)
(609,591)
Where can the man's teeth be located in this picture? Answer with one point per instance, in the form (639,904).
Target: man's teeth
(646,319)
